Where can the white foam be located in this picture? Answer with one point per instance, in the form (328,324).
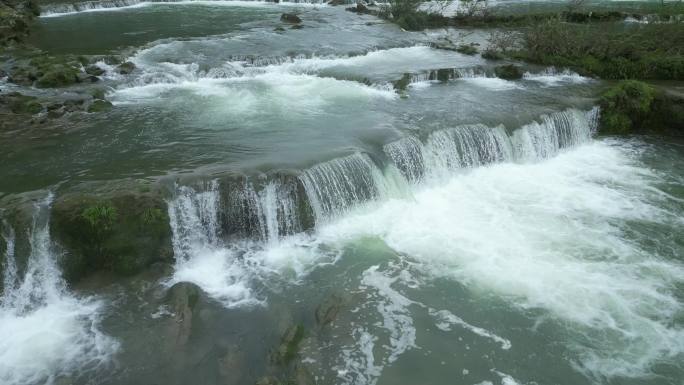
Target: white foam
(552,77)
(549,236)
(495,84)
(46,331)
(447,319)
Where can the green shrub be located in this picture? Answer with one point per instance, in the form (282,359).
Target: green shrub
(626,106)
(100,217)
(491,54)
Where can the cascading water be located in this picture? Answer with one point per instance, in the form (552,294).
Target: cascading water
(47,332)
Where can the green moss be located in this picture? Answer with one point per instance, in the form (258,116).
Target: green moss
(403,83)
(289,345)
(22,104)
(634,107)
(58,75)
(99,105)
(625,107)
(100,217)
(122,234)
(467,49)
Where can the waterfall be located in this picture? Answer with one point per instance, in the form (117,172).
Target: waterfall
(336,186)
(36,306)
(407,156)
(194,219)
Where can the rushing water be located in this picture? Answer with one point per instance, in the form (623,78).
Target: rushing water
(469,231)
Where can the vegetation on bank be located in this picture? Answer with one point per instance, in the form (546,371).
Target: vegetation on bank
(15,19)
(634,107)
(594,42)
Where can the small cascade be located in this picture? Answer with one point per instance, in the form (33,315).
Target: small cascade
(194,219)
(467,146)
(543,139)
(36,306)
(264,209)
(407,156)
(336,186)
(470,146)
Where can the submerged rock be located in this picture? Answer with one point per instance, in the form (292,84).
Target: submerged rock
(360,8)
(290,18)
(508,72)
(327,311)
(99,106)
(183,298)
(18,103)
(289,345)
(121,233)
(337,2)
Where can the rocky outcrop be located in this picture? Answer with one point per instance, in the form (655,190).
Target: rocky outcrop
(47,71)
(15,19)
(290,18)
(121,233)
(508,72)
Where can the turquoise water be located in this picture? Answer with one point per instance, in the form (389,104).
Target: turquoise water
(473,231)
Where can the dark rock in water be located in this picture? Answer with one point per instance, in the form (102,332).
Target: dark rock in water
(98,93)
(183,298)
(444,74)
(360,8)
(491,54)
(99,106)
(290,18)
(467,49)
(47,71)
(508,72)
(126,68)
(279,29)
(403,83)
(444,44)
(18,103)
(122,232)
(289,345)
(297,26)
(94,70)
(337,2)
(327,311)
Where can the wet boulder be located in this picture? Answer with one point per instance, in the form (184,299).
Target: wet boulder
(508,72)
(337,2)
(99,105)
(290,18)
(94,70)
(121,233)
(126,68)
(18,103)
(183,299)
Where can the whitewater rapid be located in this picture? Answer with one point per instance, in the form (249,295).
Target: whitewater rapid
(47,332)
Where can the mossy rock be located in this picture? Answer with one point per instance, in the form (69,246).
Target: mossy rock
(403,83)
(122,234)
(94,70)
(99,105)
(21,104)
(491,54)
(59,75)
(632,106)
(508,72)
(467,49)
